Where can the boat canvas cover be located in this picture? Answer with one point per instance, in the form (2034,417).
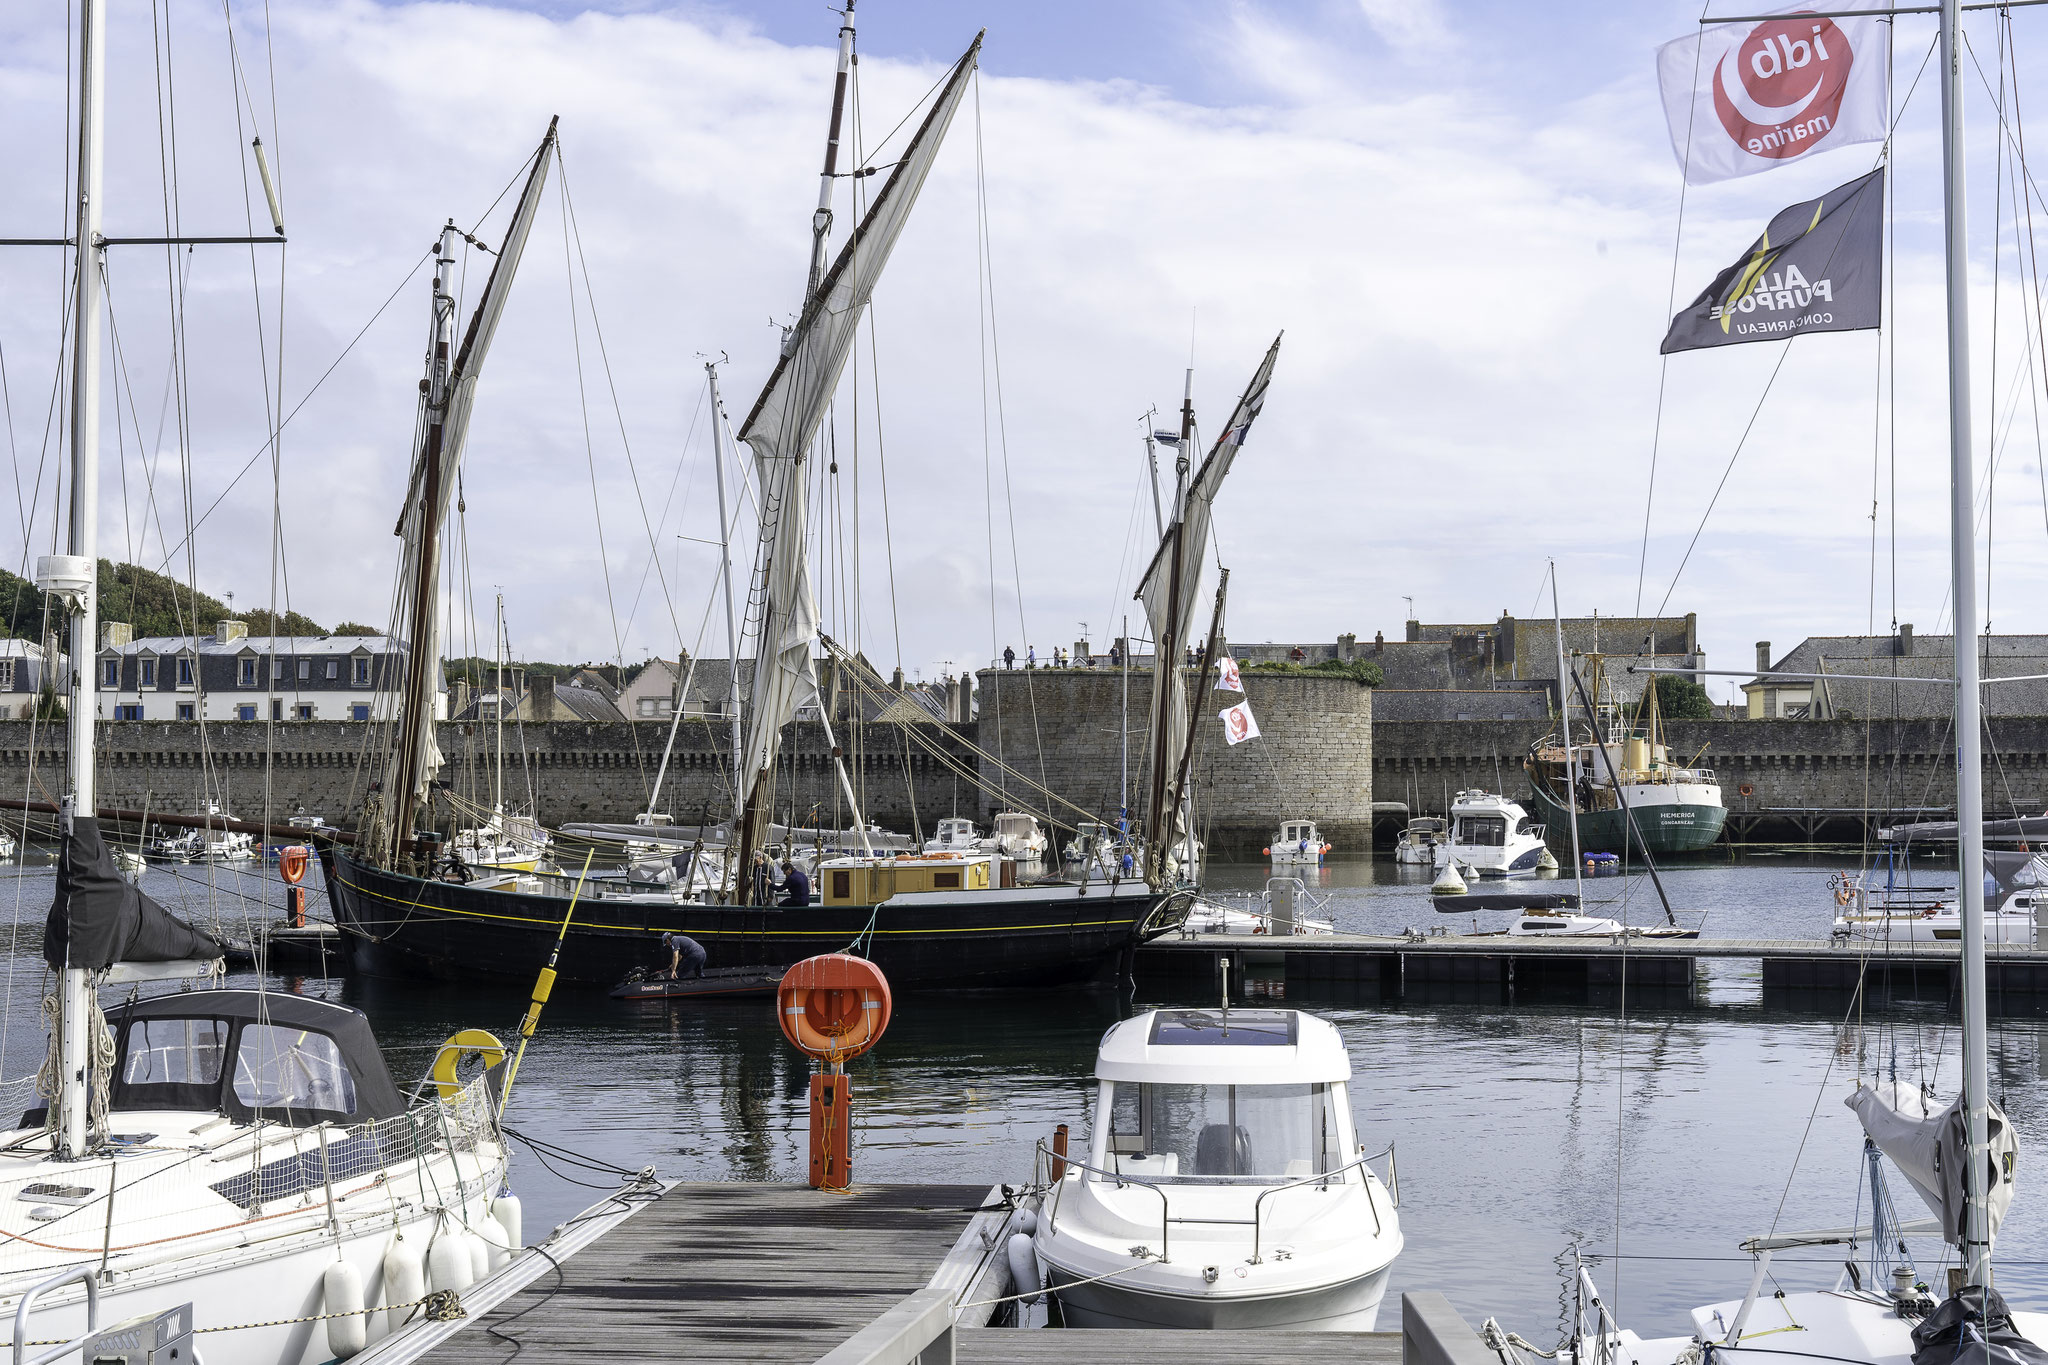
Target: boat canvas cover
(99,917)
(1973,1327)
(1928,1146)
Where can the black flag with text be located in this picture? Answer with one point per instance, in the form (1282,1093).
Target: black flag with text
(1817,268)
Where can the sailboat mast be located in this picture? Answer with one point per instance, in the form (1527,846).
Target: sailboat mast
(74,1085)
(732,638)
(420,648)
(499,647)
(821,221)
(1167,648)
(1963,567)
(1571,753)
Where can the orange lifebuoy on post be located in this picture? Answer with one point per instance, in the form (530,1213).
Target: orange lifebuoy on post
(291,864)
(833,1007)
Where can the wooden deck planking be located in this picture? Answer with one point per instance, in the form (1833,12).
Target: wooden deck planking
(1000,1346)
(728,1272)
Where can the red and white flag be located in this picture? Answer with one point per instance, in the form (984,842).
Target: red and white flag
(1226,675)
(1238,725)
(1742,98)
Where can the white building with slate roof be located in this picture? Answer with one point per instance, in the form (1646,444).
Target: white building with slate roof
(231,675)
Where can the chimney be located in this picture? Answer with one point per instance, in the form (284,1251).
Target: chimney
(1414,631)
(114,634)
(1763,656)
(543,701)
(896,680)
(227,632)
(1379,642)
(1906,640)
(1347,647)
(458,696)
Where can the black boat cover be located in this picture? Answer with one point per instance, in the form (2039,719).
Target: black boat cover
(100,917)
(1973,1327)
(1506,900)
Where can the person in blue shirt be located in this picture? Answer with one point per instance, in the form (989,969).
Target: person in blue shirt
(796,887)
(686,956)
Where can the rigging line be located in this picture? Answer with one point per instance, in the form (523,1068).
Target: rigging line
(2034,271)
(1670,303)
(1991,396)
(589,446)
(611,384)
(214,506)
(668,501)
(995,345)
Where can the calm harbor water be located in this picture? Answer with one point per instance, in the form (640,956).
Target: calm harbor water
(1666,1135)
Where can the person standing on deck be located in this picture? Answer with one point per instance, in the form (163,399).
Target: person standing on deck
(1009,657)
(796,887)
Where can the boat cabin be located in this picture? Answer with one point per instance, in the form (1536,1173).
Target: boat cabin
(1299,832)
(252,1055)
(955,834)
(1231,1097)
(865,881)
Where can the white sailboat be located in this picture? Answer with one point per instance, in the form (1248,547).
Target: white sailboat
(234,1162)
(1957,1155)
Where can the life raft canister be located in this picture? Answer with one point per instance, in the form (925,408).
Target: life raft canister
(291,863)
(833,1006)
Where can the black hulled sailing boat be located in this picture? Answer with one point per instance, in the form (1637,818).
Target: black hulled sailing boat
(929,923)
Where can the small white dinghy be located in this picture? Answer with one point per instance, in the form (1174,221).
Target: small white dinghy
(1222,1186)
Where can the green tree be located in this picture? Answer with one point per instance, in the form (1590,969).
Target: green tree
(354,628)
(153,603)
(1682,698)
(1364,672)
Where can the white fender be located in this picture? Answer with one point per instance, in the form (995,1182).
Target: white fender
(479,1255)
(507,1212)
(1027,1222)
(1024,1267)
(491,1233)
(342,1292)
(405,1279)
(449,1264)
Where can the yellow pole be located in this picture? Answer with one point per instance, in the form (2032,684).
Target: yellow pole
(543,986)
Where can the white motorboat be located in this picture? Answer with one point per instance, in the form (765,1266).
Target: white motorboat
(1018,836)
(1297,842)
(1492,836)
(955,834)
(1222,1187)
(1418,843)
(206,845)
(8,848)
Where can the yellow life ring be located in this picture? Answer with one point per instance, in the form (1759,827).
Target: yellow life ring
(469,1042)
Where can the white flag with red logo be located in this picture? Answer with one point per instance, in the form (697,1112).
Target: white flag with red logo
(1742,98)
(1226,675)
(1238,725)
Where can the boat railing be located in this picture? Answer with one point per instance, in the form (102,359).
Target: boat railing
(1322,1179)
(1050,1161)
(86,1275)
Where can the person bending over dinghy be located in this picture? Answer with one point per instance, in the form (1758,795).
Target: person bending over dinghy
(686,956)
(796,887)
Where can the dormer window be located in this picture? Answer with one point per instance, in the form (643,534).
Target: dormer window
(148,671)
(110,673)
(360,676)
(245,676)
(184,670)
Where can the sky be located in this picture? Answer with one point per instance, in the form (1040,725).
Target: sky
(1466,218)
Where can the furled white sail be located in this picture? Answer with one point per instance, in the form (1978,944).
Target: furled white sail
(1173,621)
(785,419)
(419,520)
(1926,1142)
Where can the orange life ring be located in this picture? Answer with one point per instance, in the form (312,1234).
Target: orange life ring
(834,1006)
(291,863)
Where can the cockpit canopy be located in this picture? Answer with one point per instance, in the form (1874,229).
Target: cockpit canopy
(253,1056)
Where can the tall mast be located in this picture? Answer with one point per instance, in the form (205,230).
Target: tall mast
(75,992)
(1166,648)
(1963,567)
(500,648)
(821,221)
(421,654)
(732,637)
(1571,753)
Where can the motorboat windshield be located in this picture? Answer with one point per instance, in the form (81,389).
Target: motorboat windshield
(1223,1134)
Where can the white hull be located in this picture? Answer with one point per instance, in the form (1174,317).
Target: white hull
(1350,1306)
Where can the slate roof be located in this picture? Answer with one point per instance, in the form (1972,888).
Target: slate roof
(1932,656)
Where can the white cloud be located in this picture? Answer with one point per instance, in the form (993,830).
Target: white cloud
(1472,287)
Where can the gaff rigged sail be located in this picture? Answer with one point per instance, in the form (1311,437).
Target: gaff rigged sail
(420,524)
(785,419)
(1168,592)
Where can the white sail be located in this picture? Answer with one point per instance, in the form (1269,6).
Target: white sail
(785,419)
(419,519)
(1187,542)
